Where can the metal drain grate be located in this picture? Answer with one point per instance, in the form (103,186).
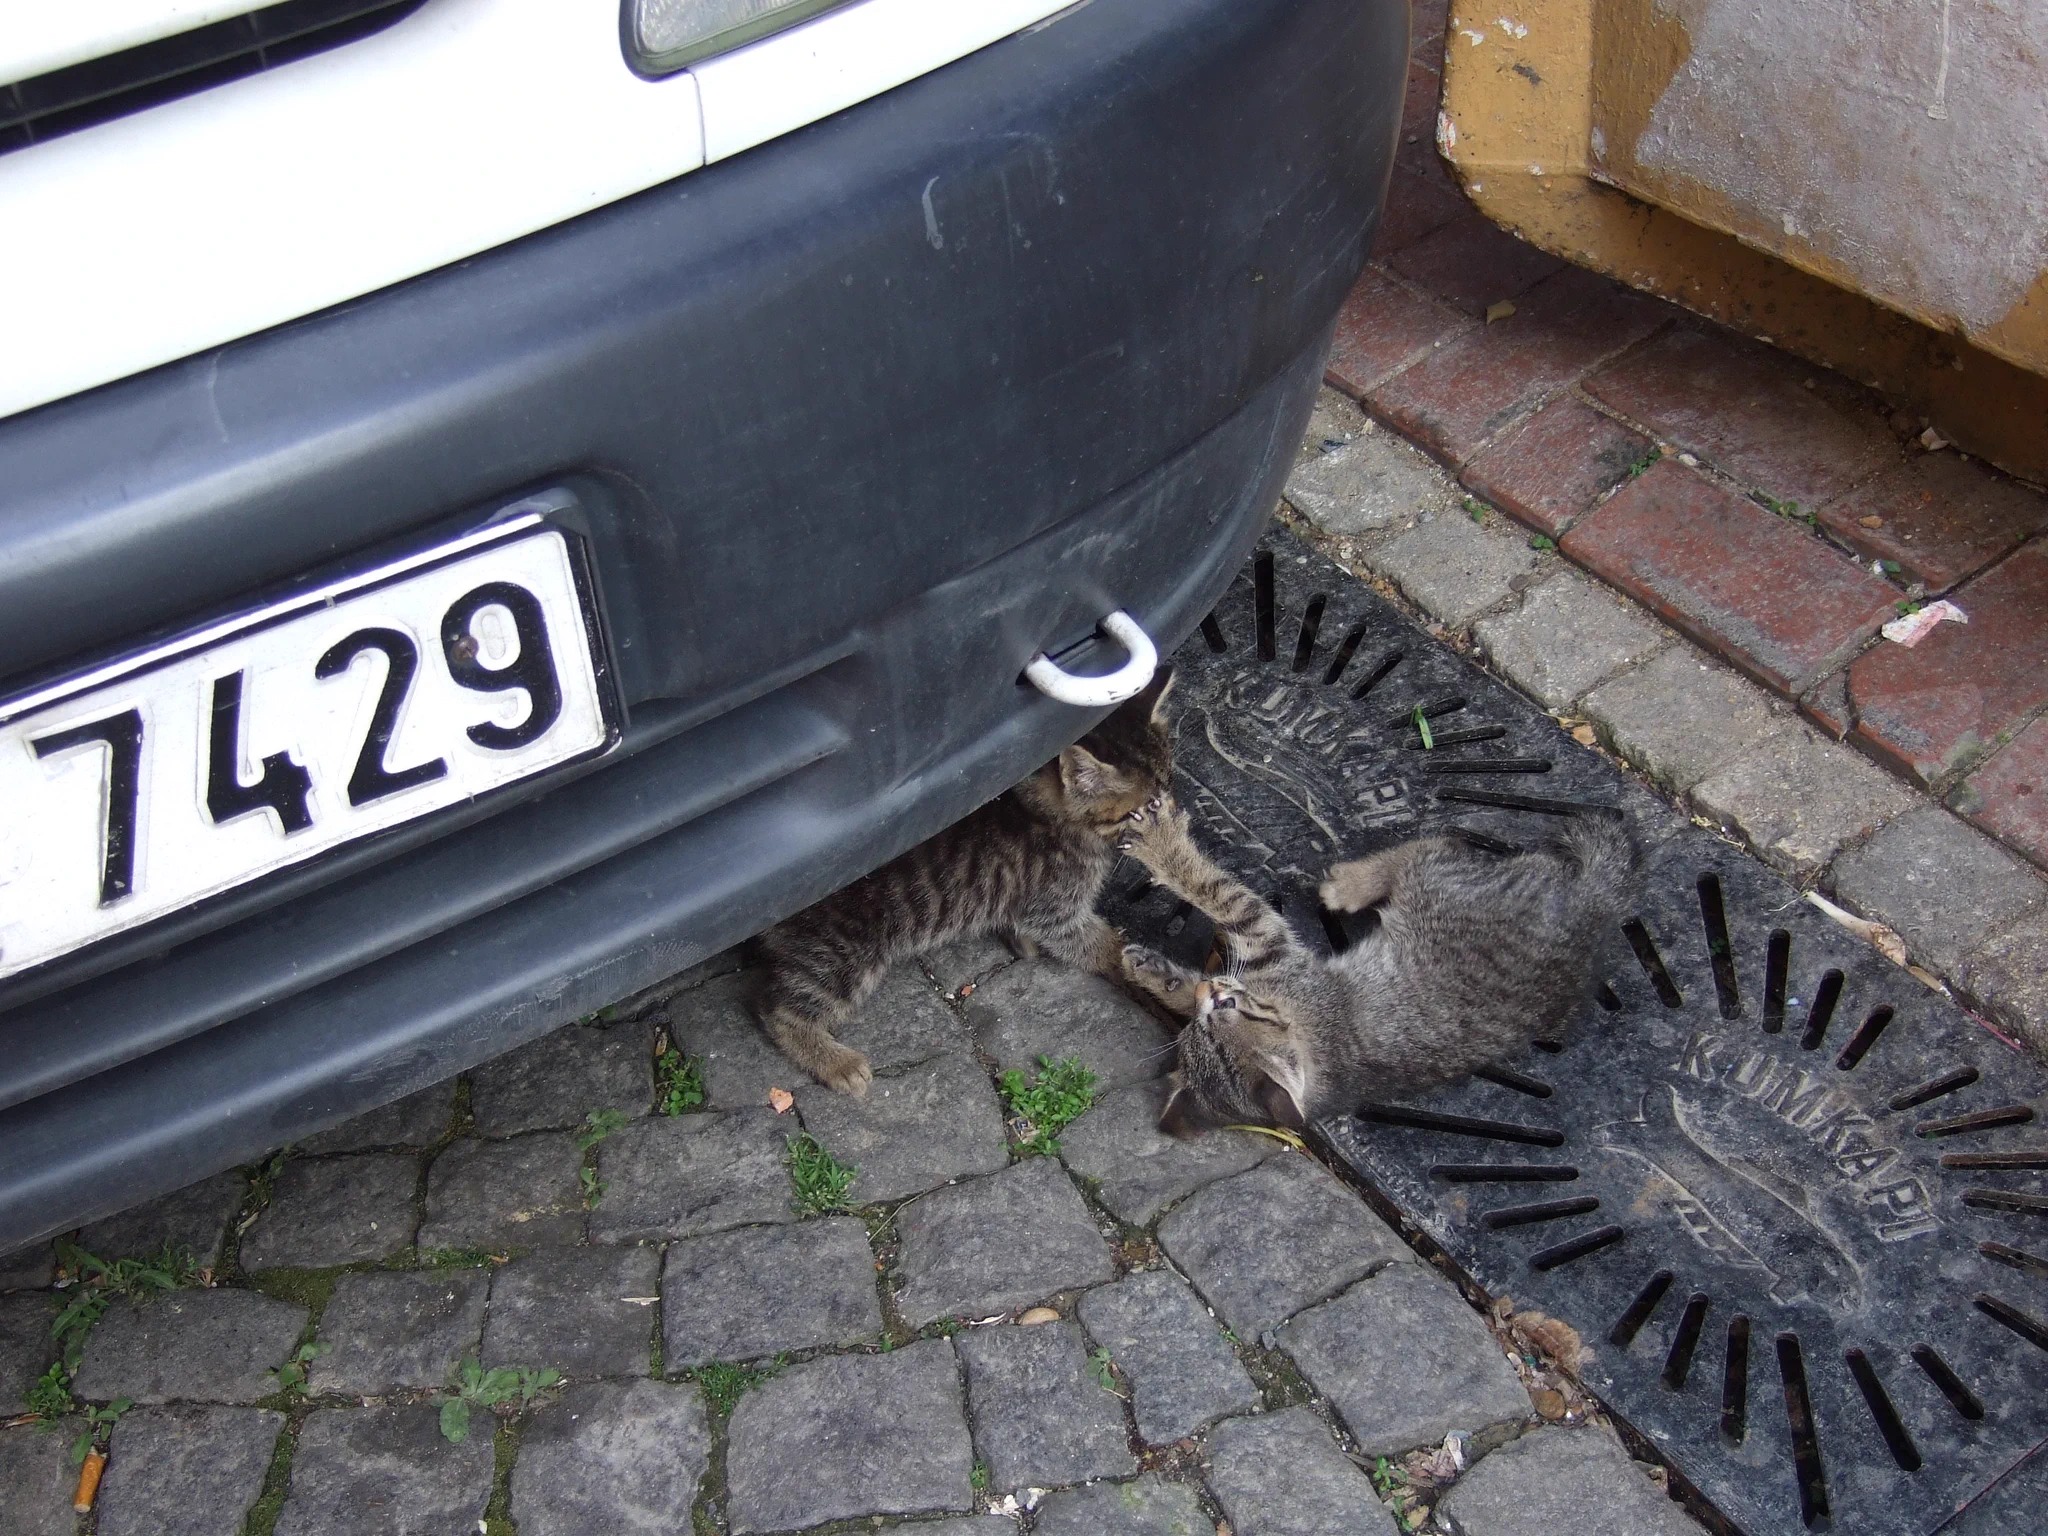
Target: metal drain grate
(1791,1199)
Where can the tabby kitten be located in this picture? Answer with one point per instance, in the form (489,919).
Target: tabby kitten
(1027,866)
(1474,956)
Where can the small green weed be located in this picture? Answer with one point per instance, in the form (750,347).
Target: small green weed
(978,1478)
(99,1423)
(593,1187)
(1060,1095)
(1906,605)
(597,1125)
(725,1384)
(1645,462)
(679,1082)
(291,1376)
(479,1388)
(1541,541)
(1101,1371)
(50,1398)
(1475,509)
(1889,567)
(1422,726)
(819,1179)
(1789,509)
(101,1281)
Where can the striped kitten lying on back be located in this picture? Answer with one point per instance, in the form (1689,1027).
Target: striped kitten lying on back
(1474,956)
(1027,866)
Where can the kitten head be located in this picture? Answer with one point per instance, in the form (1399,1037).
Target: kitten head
(1241,1061)
(1124,766)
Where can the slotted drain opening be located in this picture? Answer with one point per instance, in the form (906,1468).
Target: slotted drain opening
(1793,1201)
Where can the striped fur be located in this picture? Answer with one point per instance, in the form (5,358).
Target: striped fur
(1474,956)
(1027,867)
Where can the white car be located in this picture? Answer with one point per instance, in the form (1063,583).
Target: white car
(500,499)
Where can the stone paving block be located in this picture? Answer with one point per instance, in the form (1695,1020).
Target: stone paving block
(1405,1361)
(617,1459)
(1472,262)
(1799,800)
(1181,1370)
(1137,1170)
(214,1346)
(1746,408)
(379,1471)
(1939,706)
(1556,465)
(186,1471)
(417,1120)
(1569,635)
(335,1210)
(1265,1244)
(1143,1507)
(1040,1420)
(963,1525)
(904,1022)
(997,1243)
(1280,1474)
(496,1195)
(2008,977)
(760,1290)
(1575,1480)
(26,1348)
(1464,394)
(2008,796)
(1940,885)
(399,1328)
(1451,568)
(1941,516)
(37,1475)
(555,1081)
(1417,204)
(692,1174)
(1042,1008)
(193,1220)
(1754,587)
(850,1436)
(1678,717)
(1382,328)
(576,1310)
(966,961)
(28,1267)
(1370,480)
(914,1130)
(715,1023)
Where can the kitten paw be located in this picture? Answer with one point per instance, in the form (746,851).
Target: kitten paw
(847,1072)
(1148,968)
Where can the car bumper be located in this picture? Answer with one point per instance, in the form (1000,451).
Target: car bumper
(854,424)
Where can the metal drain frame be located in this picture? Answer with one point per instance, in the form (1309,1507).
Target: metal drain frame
(1797,1220)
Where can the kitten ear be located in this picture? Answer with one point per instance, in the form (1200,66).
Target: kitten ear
(1083,773)
(1185,1117)
(1277,1088)
(1153,698)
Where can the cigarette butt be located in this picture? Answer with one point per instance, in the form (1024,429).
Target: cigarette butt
(89,1481)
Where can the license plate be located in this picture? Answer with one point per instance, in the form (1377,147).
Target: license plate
(155,782)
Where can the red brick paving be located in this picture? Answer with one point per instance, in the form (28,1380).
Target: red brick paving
(1416,150)
(1462,395)
(1943,518)
(1415,206)
(1757,588)
(1429,21)
(2008,796)
(1383,327)
(1472,262)
(1556,465)
(1744,408)
(1936,707)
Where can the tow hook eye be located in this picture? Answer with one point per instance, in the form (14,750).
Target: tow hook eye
(1055,682)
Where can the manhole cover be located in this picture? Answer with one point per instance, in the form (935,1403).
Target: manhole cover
(1789,1197)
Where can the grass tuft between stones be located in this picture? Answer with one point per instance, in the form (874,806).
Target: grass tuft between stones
(678,1082)
(819,1181)
(1046,1104)
(262,1517)
(724,1383)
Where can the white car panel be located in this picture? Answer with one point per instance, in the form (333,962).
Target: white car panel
(37,36)
(764,90)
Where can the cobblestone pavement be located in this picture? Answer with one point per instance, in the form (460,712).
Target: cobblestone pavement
(1131,1337)
(1760,517)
